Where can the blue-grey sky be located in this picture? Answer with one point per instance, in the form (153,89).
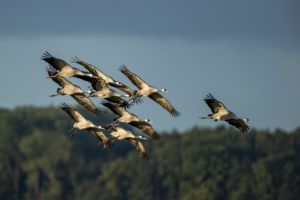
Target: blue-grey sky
(246,53)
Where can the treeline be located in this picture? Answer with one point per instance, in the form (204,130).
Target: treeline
(37,161)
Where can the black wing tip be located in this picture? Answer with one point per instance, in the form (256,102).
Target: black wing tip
(46,55)
(50,68)
(245,129)
(209,97)
(75,59)
(155,137)
(125,105)
(108,144)
(51,71)
(123,68)
(175,113)
(144,156)
(107,104)
(137,100)
(64,106)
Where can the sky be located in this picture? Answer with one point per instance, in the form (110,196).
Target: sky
(246,53)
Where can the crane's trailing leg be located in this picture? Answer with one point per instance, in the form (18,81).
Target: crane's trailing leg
(70,134)
(54,76)
(53,95)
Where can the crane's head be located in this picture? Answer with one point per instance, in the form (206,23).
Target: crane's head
(141,137)
(118,83)
(148,121)
(164,90)
(246,120)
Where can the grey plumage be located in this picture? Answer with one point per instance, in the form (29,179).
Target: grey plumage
(108,80)
(220,112)
(147,90)
(80,123)
(119,133)
(63,67)
(72,90)
(129,118)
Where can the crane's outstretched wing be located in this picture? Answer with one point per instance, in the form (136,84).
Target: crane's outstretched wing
(238,123)
(96,72)
(114,108)
(99,84)
(214,104)
(61,65)
(140,147)
(58,79)
(56,63)
(146,128)
(119,101)
(123,88)
(137,81)
(165,104)
(92,69)
(76,116)
(85,102)
(102,137)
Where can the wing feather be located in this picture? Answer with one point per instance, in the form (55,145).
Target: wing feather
(73,114)
(137,81)
(96,72)
(140,147)
(85,102)
(215,105)
(165,104)
(114,108)
(89,67)
(102,137)
(118,100)
(99,84)
(58,79)
(56,63)
(239,123)
(123,88)
(146,128)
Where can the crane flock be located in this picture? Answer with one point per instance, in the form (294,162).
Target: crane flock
(58,70)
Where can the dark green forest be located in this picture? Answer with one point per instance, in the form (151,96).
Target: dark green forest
(38,161)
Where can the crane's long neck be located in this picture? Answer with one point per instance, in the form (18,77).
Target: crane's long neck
(124,95)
